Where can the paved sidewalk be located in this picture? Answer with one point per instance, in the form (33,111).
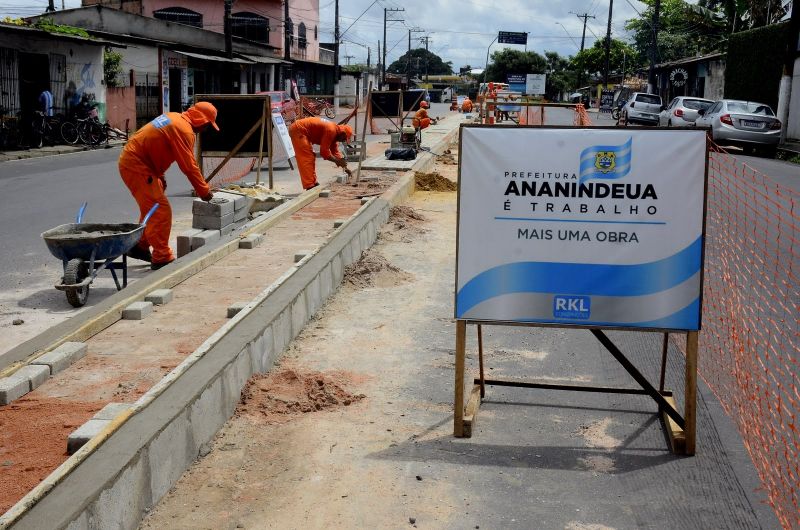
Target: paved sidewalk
(55,150)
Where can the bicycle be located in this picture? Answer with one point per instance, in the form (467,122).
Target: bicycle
(318,106)
(45,128)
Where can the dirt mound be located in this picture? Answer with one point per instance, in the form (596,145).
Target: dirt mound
(434,182)
(448,158)
(373,270)
(405,217)
(278,396)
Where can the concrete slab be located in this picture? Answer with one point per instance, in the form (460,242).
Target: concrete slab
(212,222)
(159,297)
(137,311)
(84,433)
(62,357)
(219,206)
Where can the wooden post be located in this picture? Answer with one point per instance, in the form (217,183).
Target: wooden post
(270,146)
(480,360)
(261,141)
(458,415)
(363,144)
(690,406)
(664,348)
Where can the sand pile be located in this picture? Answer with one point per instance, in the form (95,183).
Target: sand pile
(405,217)
(373,270)
(278,396)
(434,182)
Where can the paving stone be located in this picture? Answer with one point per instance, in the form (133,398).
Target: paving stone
(80,436)
(184,242)
(227,230)
(299,255)
(13,387)
(251,241)
(137,310)
(234,309)
(35,373)
(325,193)
(205,237)
(62,357)
(111,411)
(240,215)
(239,201)
(159,297)
(212,222)
(338,222)
(219,206)
(342,179)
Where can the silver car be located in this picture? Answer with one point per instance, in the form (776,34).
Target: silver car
(682,111)
(746,124)
(642,108)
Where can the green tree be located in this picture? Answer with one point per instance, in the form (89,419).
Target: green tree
(112,68)
(561,77)
(679,33)
(592,61)
(509,61)
(421,61)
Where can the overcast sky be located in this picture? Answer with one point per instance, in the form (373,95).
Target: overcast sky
(459,30)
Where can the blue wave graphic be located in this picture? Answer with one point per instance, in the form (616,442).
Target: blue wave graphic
(581,278)
(622,167)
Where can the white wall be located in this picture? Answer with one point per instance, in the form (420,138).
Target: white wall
(793,126)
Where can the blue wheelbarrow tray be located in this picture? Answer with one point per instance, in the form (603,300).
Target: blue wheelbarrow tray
(90,240)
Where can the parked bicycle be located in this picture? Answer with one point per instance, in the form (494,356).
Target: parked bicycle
(318,106)
(46,129)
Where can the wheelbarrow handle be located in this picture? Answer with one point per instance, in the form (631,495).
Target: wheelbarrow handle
(151,212)
(79,217)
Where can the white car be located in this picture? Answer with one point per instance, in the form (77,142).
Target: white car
(642,108)
(682,111)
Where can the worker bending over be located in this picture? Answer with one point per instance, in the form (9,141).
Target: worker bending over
(145,159)
(309,131)
(466,106)
(421,119)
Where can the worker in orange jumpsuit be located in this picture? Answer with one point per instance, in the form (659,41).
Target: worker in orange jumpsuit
(309,131)
(466,106)
(145,159)
(421,119)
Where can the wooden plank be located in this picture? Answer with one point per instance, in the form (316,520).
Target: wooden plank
(458,404)
(471,412)
(676,435)
(690,407)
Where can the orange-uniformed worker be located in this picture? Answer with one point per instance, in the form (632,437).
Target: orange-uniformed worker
(145,159)
(421,119)
(309,131)
(466,105)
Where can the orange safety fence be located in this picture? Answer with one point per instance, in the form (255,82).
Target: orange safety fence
(532,116)
(581,116)
(750,341)
(233,171)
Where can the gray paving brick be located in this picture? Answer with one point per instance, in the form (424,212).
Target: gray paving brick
(159,297)
(211,222)
(203,238)
(84,433)
(218,206)
(184,242)
(325,193)
(227,230)
(13,387)
(137,310)
(35,373)
(251,241)
(240,202)
(234,309)
(240,215)
(62,357)
(111,411)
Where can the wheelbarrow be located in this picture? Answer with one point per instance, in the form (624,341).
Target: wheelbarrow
(87,248)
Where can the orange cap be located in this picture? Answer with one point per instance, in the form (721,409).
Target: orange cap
(346,130)
(424,105)
(201,113)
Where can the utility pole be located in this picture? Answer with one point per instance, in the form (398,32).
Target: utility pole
(427,39)
(584,16)
(50,7)
(287,38)
(348,57)
(379,65)
(408,62)
(227,28)
(336,46)
(651,74)
(608,44)
(386,12)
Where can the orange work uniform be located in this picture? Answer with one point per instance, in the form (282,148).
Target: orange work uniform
(142,164)
(421,119)
(466,106)
(307,132)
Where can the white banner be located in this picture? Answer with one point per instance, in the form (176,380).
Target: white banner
(592,227)
(282,132)
(535,83)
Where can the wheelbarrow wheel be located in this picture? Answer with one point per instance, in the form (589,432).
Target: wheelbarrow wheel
(75,272)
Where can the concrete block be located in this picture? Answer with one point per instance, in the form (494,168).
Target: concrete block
(169,455)
(240,202)
(123,503)
(325,194)
(111,411)
(159,297)
(35,373)
(234,309)
(212,222)
(337,268)
(206,414)
(205,237)
(342,179)
(240,215)
(299,313)
(326,281)
(62,357)
(219,206)
(300,254)
(364,200)
(339,222)
(282,331)
(251,241)
(137,311)
(227,230)
(313,297)
(84,433)
(184,242)
(13,387)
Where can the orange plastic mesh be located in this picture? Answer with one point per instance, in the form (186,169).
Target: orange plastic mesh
(234,169)
(750,340)
(582,117)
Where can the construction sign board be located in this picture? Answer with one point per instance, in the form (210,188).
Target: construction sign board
(535,84)
(598,227)
(283,133)
(512,37)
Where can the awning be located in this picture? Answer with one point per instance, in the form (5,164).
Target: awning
(215,58)
(265,60)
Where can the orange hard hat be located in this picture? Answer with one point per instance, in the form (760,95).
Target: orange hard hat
(424,105)
(201,113)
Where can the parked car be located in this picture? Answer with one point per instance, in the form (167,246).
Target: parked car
(682,111)
(642,108)
(747,124)
(282,101)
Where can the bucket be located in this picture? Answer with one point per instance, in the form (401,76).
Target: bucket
(395,139)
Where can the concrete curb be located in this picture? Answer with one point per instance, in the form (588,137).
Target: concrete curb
(115,478)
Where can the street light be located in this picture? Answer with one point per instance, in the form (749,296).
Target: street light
(487,58)
(568,35)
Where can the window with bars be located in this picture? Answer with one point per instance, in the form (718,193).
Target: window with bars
(179,15)
(250,26)
(301,35)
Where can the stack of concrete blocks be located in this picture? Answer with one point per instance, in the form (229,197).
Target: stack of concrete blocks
(213,220)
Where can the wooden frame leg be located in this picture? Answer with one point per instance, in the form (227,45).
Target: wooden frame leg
(690,407)
(458,412)
(664,348)
(480,360)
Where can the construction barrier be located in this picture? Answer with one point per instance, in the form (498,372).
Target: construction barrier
(234,170)
(750,339)
(582,117)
